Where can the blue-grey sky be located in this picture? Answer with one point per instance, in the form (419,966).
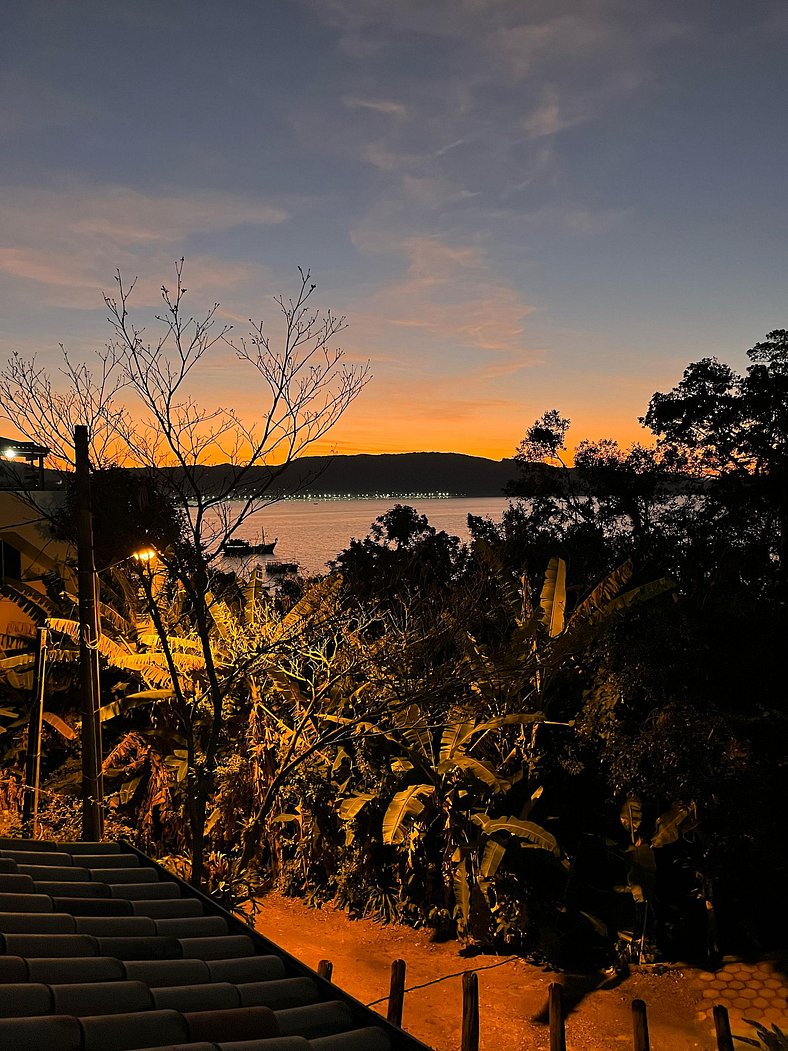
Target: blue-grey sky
(519,204)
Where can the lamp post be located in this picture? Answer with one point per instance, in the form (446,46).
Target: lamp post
(92,778)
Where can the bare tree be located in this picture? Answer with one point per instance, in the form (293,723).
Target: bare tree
(46,409)
(141,409)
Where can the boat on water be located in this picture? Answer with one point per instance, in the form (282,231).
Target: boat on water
(237,548)
(281,569)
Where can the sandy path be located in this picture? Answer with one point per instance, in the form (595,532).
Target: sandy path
(513,995)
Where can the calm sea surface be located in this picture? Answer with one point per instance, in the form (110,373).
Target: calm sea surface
(311,532)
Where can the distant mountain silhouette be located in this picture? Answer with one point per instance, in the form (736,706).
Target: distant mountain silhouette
(387,474)
(362,474)
(400,473)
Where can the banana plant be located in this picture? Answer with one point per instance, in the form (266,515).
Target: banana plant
(124,647)
(542,639)
(451,784)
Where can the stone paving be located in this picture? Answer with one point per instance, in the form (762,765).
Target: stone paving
(756,991)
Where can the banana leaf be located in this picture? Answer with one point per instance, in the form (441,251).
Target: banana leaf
(59,724)
(518,719)
(553,596)
(404,804)
(178,762)
(316,600)
(412,723)
(643,593)
(149,695)
(349,808)
(631,815)
(454,737)
(674,823)
(132,700)
(475,768)
(112,617)
(128,790)
(34,603)
(493,856)
(220,615)
(19,660)
(462,895)
(527,830)
(175,642)
(604,591)
(115,654)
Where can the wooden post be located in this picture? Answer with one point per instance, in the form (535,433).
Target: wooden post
(470,1011)
(556,1012)
(396,993)
(92,780)
(723,1027)
(640,1026)
(33,760)
(325,969)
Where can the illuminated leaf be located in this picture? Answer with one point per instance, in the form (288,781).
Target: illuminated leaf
(462,895)
(553,596)
(350,808)
(454,737)
(404,804)
(527,830)
(493,856)
(58,724)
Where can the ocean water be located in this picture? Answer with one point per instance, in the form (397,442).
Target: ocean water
(311,532)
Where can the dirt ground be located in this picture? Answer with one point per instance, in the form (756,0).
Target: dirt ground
(513,994)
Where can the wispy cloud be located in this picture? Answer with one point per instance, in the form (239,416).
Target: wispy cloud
(68,243)
(471,178)
(452,146)
(449,293)
(122,214)
(393,109)
(549,117)
(487,86)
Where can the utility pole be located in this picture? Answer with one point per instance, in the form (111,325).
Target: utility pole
(92,780)
(33,763)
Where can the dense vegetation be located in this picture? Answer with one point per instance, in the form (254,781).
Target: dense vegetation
(566,737)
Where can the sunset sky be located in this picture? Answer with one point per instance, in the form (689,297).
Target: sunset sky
(519,204)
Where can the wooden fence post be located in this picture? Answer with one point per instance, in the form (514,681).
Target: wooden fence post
(470,1011)
(556,1011)
(325,969)
(396,993)
(723,1027)
(640,1026)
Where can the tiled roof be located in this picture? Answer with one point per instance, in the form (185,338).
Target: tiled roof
(102,950)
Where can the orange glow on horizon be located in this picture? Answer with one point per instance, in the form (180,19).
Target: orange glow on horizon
(450,439)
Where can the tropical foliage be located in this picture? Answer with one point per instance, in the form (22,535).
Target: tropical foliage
(564,736)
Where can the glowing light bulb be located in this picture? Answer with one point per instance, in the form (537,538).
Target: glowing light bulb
(144,556)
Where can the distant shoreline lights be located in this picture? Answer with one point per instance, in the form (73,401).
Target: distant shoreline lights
(371,496)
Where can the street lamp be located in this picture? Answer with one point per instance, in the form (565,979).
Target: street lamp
(31,453)
(145,556)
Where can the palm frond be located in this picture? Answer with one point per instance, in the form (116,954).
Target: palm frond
(34,603)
